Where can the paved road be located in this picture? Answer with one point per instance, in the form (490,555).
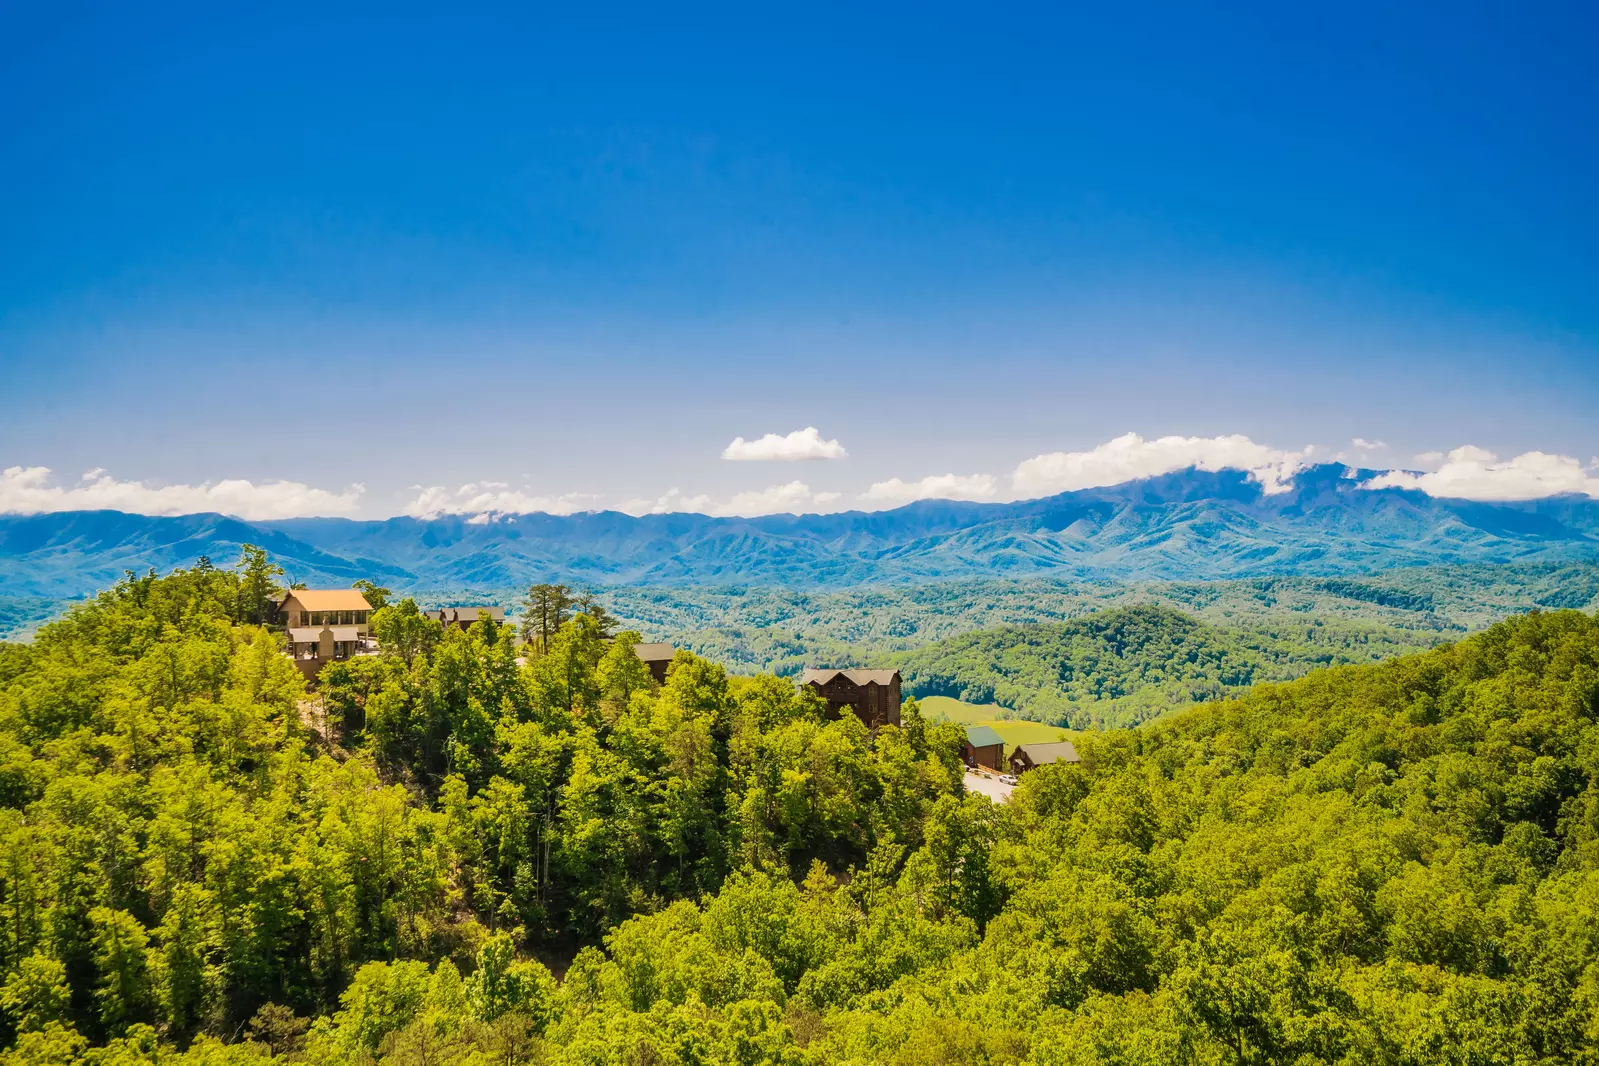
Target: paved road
(992,787)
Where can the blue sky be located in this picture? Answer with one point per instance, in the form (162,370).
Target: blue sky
(571,253)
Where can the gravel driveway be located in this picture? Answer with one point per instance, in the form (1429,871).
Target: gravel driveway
(992,787)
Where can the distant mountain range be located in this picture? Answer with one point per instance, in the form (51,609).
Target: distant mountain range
(1191,525)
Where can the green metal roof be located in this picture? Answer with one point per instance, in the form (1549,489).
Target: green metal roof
(982,736)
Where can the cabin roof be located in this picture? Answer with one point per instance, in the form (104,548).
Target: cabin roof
(822,675)
(1044,754)
(652,653)
(982,736)
(328,600)
(465,614)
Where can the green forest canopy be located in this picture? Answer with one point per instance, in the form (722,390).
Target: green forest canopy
(783,630)
(1391,863)
(1123,666)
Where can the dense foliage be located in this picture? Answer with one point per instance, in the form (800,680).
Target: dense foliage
(1394,863)
(784,630)
(1124,666)
(187,839)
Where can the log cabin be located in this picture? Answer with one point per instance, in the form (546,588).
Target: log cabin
(983,747)
(657,657)
(1031,756)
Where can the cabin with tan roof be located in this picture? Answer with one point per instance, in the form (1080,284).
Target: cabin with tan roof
(324,624)
(1031,756)
(872,694)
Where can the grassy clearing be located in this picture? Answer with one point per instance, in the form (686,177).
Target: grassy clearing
(949,709)
(946,708)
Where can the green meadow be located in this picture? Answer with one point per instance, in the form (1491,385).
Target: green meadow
(949,709)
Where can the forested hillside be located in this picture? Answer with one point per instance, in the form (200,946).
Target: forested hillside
(446,858)
(784,630)
(1126,665)
(188,840)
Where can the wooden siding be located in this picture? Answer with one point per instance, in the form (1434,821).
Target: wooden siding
(874,704)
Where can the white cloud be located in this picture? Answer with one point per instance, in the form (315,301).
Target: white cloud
(671,501)
(488,501)
(485,500)
(1473,473)
(801,444)
(795,497)
(28,490)
(1428,460)
(932,487)
(1361,451)
(1130,457)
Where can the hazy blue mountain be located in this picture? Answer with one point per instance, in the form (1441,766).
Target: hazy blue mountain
(1185,526)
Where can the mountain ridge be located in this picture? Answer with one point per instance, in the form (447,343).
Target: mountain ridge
(1186,525)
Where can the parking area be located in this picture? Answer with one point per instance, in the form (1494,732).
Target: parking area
(989,786)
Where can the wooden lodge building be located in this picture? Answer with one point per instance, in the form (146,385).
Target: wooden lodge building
(464,617)
(321,625)
(1031,756)
(983,747)
(873,695)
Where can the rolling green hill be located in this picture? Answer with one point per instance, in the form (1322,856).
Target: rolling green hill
(1129,664)
(784,630)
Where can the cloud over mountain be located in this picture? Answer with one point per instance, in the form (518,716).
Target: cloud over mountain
(1130,456)
(29,490)
(795,497)
(487,498)
(672,501)
(1473,473)
(1468,472)
(1190,525)
(932,487)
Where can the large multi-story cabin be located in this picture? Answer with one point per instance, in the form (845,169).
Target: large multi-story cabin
(324,624)
(873,695)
